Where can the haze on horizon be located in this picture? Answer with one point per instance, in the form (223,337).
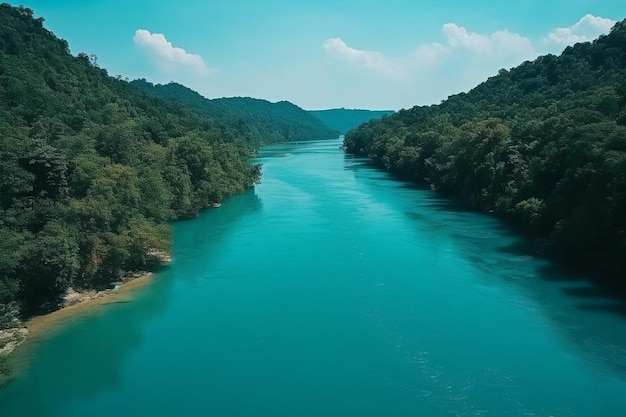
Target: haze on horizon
(352,54)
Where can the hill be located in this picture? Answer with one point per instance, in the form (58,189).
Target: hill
(345,119)
(92,168)
(260,121)
(543,145)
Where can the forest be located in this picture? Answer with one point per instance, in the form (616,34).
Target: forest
(542,145)
(260,122)
(92,168)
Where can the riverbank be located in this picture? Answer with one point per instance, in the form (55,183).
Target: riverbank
(15,342)
(85,303)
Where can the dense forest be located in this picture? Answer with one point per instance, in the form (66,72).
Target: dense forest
(543,145)
(92,168)
(259,121)
(345,119)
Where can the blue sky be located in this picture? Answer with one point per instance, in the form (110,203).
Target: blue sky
(319,54)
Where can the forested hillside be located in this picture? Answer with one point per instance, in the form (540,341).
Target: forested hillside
(543,144)
(91,169)
(259,121)
(345,119)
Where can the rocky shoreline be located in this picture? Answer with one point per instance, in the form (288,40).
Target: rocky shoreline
(12,338)
(72,303)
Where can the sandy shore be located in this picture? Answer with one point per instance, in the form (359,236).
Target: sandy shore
(18,351)
(92,302)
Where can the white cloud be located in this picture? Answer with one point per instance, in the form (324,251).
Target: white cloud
(459,37)
(456,60)
(586,29)
(497,50)
(501,45)
(429,55)
(168,56)
(372,60)
(432,71)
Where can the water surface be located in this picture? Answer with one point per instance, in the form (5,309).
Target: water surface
(333,290)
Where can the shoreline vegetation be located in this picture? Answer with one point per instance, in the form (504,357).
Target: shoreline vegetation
(15,343)
(94,167)
(542,145)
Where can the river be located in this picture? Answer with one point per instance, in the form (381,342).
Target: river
(332,289)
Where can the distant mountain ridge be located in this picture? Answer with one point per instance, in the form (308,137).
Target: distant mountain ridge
(344,120)
(260,121)
(92,168)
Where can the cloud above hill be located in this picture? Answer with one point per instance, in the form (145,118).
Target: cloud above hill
(460,60)
(501,48)
(169,57)
(371,60)
(586,29)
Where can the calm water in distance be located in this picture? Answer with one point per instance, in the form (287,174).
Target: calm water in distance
(333,290)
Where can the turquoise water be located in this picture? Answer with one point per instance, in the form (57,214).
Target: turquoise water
(333,290)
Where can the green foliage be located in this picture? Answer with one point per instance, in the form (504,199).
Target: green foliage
(49,263)
(92,168)
(258,122)
(543,145)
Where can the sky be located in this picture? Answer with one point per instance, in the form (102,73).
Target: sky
(323,54)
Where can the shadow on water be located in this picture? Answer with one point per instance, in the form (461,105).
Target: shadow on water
(287,149)
(352,162)
(585,315)
(590,316)
(611,308)
(104,340)
(525,247)
(205,235)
